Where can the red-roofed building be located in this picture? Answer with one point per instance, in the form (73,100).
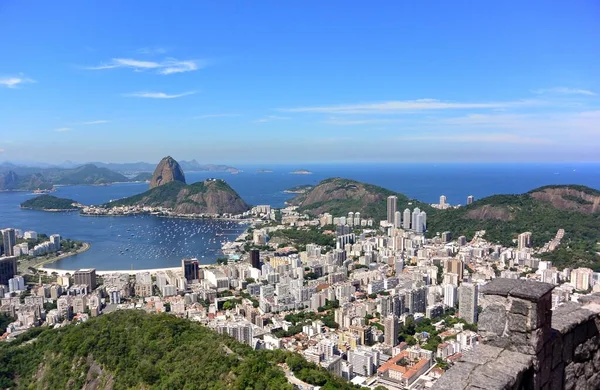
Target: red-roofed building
(404,369)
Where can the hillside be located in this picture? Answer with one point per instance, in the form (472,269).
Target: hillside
(132,349)
(208,197)
(11,181)
(49,202)
(15,178)
(339,196)
(86,174)
(541,211)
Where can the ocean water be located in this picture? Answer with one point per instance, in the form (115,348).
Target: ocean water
(151,242)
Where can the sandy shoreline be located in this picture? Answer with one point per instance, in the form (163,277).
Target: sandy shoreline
(40,265)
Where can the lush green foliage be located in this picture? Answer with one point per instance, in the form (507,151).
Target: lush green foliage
(175,193)
(344,196)
(527,214)
(300,237)
(48,202)
(165,195)
(4,321)
(139,350)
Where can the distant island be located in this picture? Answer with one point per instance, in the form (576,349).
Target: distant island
(301,172)
(50,203)
(264,171)
(301,189)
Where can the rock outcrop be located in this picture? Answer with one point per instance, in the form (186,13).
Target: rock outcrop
(167,171)
(578,198)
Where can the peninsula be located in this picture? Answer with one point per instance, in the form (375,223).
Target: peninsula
(169,194)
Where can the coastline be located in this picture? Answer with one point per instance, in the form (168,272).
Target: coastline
(40,265)
(51,210)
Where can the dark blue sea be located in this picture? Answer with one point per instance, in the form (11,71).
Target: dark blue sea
(152,242)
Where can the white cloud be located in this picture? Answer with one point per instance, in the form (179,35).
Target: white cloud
(63,129)
(158,95)
(165,67)
(271,118)
(404,106)
(14,82)
(1,150)
(503,138)
(564,91)
(94,122)
(207,116)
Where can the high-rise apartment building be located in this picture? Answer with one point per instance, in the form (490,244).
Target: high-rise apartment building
(455,266)
(255,258)
(190,269)
(55,240)
(449,295)
(467,302)
(581,278)
(8,269)
(406,219)
(86,277)
(391,329)
(9,240)
(415,215)
(443,201)
(470,199)
(524,240)
(397,219)
(392,201)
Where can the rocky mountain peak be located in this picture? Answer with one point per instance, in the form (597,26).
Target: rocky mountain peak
(167,171)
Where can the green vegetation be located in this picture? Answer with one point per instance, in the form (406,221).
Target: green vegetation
(409,330)
(165,194)
(133,349)
(576,199)
(340,196)
(300,237)
(299,189)
(190,198)
(49,202)
(4,321)
(514,214)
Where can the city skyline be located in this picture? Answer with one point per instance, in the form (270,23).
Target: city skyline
(317,83)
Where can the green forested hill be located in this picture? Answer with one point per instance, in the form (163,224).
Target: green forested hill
(49,202)
(132,349)
(542,212)
(212,196)
(339,196)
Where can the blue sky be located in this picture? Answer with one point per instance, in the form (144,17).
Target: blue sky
(310,81)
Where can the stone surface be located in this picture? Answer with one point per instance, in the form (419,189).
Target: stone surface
(167,171)
(492,320)
(567,316)
(529,346)
(528,290)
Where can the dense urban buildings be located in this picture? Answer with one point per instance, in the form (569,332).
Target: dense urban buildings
(379,304)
